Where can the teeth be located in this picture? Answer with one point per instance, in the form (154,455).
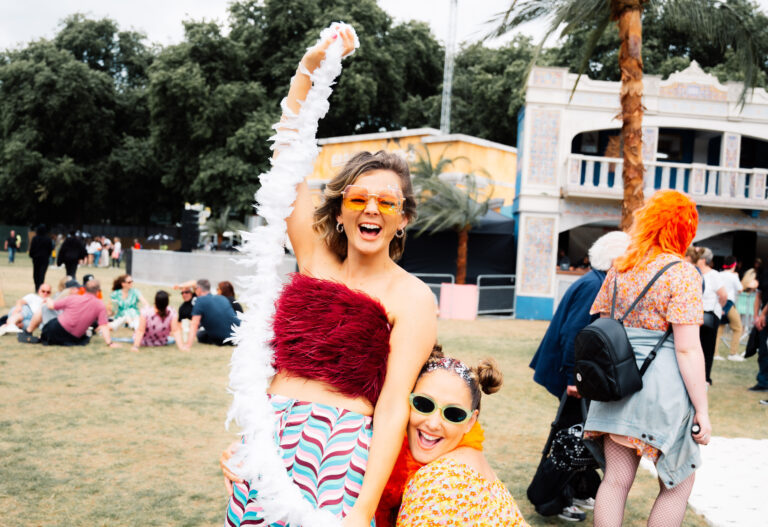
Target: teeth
(429,437)
(370,226)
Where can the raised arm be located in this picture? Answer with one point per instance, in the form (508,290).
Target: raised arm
(413,336)
(299,223)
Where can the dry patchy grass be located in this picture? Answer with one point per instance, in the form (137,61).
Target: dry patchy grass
(97,436)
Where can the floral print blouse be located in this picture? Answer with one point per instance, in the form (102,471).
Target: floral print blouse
(674,298)
(446,492)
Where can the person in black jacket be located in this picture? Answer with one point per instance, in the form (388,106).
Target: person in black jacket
(40,249)
(71,252)
(554,360)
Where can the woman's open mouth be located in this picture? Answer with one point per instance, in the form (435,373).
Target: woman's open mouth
(369,231)
(427,441)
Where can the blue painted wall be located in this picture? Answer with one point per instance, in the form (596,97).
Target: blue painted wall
(534,308)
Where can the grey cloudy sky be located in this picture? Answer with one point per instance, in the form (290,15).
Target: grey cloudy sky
(23,21)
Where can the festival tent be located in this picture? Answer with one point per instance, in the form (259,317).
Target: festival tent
(490,249)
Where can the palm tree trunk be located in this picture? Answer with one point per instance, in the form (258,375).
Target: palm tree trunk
(461,257)
(629,18)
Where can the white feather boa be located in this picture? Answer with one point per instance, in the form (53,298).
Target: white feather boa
(259,460)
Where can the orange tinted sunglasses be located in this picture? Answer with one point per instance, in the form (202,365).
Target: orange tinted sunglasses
(389,201)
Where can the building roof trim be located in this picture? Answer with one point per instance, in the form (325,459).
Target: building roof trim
(379,136)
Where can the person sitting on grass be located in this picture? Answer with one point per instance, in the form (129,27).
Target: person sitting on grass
(76,314)
(227,290)
(213,315)
(125,302)
(45,314)
(156,324)
(21,314)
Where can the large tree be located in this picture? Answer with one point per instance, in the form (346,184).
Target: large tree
(723,21)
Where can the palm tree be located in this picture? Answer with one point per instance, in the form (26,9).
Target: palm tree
(220,224)
(717,18)
(445,204)
(422,166)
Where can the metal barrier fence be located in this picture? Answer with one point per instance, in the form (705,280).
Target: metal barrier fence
(496,294)
(434,281)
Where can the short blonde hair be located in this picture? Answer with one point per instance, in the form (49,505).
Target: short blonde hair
(325,215)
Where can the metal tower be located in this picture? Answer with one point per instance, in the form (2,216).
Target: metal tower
(450,44)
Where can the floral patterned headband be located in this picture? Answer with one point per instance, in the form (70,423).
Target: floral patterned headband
(451,364)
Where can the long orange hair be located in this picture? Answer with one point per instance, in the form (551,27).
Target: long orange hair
(665,224)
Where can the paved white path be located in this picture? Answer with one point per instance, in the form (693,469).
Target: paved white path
(731,487)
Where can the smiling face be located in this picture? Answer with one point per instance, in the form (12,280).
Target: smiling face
(369,231)
(431,436)
(127,282)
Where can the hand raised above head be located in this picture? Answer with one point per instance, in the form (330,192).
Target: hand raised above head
(316,54)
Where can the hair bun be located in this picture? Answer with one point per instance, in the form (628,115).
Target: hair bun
(437,353)
(489,376)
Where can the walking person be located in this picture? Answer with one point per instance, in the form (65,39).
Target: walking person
(40,249)
(117,252)
(71,252)
(761,324)
(714,298)
(658,421)
(11,245)
(731,316)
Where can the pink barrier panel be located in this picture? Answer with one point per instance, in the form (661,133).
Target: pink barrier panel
(458,302)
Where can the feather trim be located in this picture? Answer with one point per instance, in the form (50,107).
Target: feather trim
(259,460)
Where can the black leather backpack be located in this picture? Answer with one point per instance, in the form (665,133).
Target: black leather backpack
(605,367)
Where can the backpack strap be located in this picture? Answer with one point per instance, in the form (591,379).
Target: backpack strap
(642,293)
(652,354)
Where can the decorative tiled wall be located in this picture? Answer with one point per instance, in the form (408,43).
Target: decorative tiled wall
(539,244)
(542,158)
(692,90)
(731,150)
(650,142)
(548,78)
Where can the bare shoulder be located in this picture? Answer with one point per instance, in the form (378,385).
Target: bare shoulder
(412,291)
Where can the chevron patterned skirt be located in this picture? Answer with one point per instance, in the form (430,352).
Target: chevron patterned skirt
(325,451)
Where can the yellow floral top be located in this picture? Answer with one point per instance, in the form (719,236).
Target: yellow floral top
(446,492)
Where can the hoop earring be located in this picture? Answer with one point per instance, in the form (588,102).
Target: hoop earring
(399,233)
(340,227)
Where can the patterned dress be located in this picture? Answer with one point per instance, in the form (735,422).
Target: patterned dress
(126,306)
(325,451)
(446,492)
(158,328)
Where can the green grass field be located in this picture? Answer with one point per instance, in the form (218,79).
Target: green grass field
(100,436)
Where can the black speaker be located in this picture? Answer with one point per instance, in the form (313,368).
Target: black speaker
(190,230)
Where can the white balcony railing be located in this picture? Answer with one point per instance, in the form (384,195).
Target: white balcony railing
(593,176)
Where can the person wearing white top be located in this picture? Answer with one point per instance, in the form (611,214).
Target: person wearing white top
(733,287)
(713,299)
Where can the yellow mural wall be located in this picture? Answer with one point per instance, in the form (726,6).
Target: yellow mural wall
(494,164)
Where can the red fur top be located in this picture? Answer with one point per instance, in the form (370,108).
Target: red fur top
(328,332)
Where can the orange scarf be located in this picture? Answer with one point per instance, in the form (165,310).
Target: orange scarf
(405,467)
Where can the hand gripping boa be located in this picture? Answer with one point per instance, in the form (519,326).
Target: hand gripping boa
(258,460)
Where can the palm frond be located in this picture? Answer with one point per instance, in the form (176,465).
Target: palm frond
(445,205)
(725,25)
(570,14)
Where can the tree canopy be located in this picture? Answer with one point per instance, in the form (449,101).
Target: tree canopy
(98,125)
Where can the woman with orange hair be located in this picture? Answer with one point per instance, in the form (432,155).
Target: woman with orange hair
(669,417)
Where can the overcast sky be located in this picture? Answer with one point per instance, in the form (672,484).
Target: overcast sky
(24,20)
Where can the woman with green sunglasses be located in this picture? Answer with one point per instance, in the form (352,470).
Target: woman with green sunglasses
(455,483)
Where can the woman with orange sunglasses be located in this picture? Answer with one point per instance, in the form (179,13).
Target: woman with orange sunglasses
(351,329)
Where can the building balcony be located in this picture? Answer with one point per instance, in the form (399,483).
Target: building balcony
(713,186)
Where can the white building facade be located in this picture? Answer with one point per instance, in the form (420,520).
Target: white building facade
(697,139)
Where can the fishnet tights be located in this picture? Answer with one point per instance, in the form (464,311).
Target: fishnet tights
(621,467)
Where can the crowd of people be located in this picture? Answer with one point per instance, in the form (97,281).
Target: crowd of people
(354,342)
(76,311)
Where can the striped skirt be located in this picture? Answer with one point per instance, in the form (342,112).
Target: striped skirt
(325,451)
